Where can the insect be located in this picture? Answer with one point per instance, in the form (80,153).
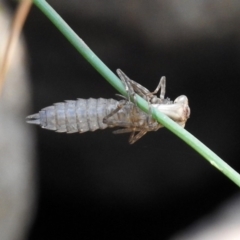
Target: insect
(91,114)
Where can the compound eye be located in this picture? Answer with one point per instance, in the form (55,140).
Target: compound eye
(181,99)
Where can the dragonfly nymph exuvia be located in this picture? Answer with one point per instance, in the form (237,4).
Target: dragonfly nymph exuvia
(84,115)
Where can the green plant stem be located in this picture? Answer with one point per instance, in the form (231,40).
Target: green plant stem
(89,55)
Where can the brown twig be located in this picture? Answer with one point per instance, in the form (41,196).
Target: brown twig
(17,25)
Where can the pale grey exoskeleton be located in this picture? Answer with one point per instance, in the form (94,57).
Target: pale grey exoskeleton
(91,114)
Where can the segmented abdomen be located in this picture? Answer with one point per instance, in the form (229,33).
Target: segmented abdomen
(75,116)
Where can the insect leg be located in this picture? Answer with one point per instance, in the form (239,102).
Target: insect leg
(162,85)
(120,106)
(139,89)
(135,87)
(130,86)
(133,138)
(118,123)
(124,130)
(146,94)
(127,84)
(127,130)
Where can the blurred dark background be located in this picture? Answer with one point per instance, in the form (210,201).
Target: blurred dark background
(97,186)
